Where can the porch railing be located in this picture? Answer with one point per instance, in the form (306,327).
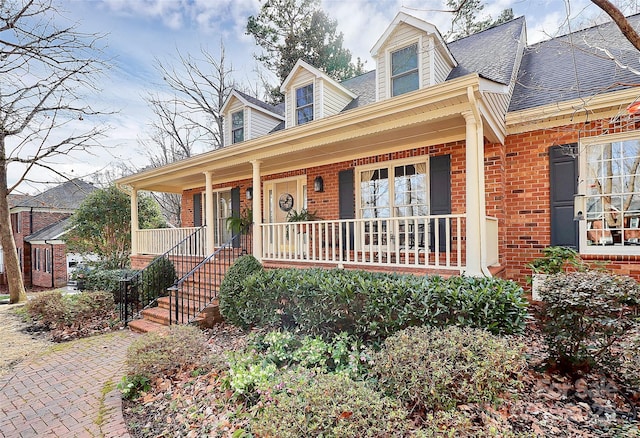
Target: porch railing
(178,240)
(142,289)
(434,241)
(192,293)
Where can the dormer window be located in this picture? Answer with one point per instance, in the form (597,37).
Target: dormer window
(237,126)
(304,104)
(404,70)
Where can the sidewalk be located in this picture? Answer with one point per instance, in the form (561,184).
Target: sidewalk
(68,391)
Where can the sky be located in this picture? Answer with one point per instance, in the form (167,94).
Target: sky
(136,32)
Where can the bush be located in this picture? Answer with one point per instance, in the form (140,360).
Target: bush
(91,305)
(48,308)
(107,280)
(235,306)
(431,368)
(157,278)
(373,305)
(331,406)
(584,315)
(153,354)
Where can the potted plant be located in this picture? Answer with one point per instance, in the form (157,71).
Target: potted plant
(242,223)
(555,259)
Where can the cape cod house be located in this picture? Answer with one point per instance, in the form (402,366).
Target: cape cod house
(459,158)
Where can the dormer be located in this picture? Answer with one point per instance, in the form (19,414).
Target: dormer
(410,55)
(311,95)
(246,118)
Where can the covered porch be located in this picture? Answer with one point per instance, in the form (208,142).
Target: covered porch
(463,240)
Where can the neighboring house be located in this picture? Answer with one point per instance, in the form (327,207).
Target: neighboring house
(460,157)
(38,224)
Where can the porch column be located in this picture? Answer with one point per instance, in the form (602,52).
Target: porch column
(257,210)
(134,221)
(474,194)
(208,214)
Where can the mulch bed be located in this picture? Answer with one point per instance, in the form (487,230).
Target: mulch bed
(191,404)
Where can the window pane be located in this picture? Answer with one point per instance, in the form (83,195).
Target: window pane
(404,60)
(237,120)
(405,84)
(304,95)
(304,115)
(374,193)
(410,189)
(238,135)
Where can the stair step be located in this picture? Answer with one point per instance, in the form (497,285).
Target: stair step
(146,326)
(191,302)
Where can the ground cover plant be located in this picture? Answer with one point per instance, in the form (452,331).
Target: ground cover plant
(72,316)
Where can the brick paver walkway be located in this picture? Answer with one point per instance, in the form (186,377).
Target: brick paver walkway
(68,391)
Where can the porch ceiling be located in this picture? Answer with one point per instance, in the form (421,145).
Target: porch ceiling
(422,118)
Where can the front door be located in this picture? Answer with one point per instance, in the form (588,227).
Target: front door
(221,212)
(282,197)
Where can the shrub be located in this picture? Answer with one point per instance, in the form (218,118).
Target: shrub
(48,308)
(91,305)
(584,314)
(234,304)
(431,368)
(330,406)
(155,353)
(107,280)
(157,278)
(374,305)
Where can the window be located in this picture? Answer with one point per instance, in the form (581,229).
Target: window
(237,127)
(304,104)
(48,260)
(404,70)
(16,222)
(395,190)
(611,174)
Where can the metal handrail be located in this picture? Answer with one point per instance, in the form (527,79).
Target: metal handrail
(142,290)
(197,289)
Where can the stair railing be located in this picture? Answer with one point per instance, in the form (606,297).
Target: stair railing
(191,294)
(142,289)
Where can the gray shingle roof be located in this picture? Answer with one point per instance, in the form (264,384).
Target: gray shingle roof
(491,53)
(575,66)
(50,232)
(364,86)
(277,109)
(66,196)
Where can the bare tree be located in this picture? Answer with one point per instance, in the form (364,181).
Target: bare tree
(200,88)
(620,20)
(45,67)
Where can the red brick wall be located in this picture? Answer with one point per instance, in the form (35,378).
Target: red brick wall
(39,276)
(527,223)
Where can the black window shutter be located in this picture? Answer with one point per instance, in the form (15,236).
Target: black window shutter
(197,210)
(439,196)
(563,174)
(235,210)
(347,203)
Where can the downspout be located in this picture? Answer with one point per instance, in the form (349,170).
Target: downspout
(482,219)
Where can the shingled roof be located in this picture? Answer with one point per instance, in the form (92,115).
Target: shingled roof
(66,196)
(581,64)
(50,232)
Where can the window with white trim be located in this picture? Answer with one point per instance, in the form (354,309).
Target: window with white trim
(404,70)
(393,189)
(237,127)
(304,104)
(610,174)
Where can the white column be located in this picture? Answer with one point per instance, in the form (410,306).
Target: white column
(257,210)
(134,221)
(474,191)
(208,214)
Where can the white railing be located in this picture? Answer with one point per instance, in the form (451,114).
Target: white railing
(492,241)
(422,241)
(160,240)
